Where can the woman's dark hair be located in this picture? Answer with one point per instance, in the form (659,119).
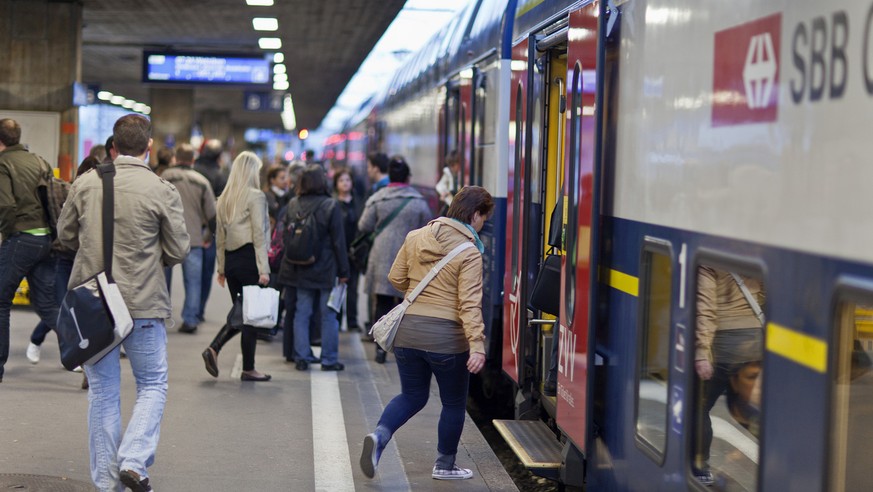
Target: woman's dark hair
(86,165)
(340,173)
(379,160)
(469,200)
(398,170)
(274,171)
(313,181)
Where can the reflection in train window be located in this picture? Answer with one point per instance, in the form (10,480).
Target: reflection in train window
(653,352)
(728,357)
(853,390)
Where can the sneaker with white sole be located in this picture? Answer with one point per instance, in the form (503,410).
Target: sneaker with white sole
(77,369)
(33,353)
(453,473)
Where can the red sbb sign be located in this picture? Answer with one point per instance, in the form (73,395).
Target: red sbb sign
(745,83)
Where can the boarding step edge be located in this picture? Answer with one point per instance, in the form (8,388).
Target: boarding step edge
(533,442)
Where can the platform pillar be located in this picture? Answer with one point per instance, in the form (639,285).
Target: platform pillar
(172,118)
(40,59)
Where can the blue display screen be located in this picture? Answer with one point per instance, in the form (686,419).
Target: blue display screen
(204,69)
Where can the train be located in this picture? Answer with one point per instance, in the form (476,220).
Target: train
(632,145)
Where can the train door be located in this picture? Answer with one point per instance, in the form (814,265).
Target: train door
(459,102)
(581,190)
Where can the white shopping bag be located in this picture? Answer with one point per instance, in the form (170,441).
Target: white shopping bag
(260,306)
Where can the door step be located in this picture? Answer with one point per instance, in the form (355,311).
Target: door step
(534,444)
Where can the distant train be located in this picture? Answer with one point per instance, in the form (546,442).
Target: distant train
(631,146)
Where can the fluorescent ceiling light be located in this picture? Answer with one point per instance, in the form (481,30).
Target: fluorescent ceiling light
(265,24)
(278,58)
(289,119)
(128,103)
(280,68)
(139,107)
(260,3)
(281,86)
(104,95)
(116,99)
(147,110)
(280,77)
(270,43)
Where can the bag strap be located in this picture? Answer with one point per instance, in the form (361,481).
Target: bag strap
(107,174)
(751,300)
(391,217)
(436,269)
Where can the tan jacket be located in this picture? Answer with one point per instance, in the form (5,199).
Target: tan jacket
(198,200)
(149,234)
(721,305)
(252,225)
(456,292)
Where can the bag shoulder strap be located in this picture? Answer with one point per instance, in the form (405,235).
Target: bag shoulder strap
(391,217)
(107,174)
(436,269)
(750,299)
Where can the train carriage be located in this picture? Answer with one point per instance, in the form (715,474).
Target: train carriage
(640,145)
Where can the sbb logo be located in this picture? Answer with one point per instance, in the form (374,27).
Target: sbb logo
(746,73)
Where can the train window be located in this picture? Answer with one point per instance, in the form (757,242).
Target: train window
(852,421)
(728,360)
(479,108)
(517,191)
(653,367)
(573,193)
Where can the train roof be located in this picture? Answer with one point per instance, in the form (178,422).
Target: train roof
(472,33)
(531,14)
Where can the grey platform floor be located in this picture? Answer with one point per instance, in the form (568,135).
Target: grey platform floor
(226,435)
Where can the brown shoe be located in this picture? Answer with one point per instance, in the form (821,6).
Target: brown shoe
(85,384)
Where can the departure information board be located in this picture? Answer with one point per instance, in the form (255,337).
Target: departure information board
(204,68)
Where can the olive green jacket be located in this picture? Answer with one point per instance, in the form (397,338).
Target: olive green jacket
(149,234)
(20,174)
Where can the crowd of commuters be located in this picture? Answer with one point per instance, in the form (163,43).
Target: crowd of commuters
(210,217)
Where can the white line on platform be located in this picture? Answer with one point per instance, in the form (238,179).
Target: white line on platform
(237,367)
(330,446)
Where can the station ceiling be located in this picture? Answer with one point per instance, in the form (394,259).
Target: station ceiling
(324,42)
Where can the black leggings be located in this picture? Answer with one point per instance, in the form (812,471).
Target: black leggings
(241,268)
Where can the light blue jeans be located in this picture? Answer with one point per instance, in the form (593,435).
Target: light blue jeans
(146,349)
(329,326)
(192,274)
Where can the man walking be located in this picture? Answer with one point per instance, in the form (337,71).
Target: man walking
(208,165)
(198,202)
(26,247)
(149,230)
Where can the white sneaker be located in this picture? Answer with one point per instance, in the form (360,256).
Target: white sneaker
(33,353)
(77,369)
(454,473)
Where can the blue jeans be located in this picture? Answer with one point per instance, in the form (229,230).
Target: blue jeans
(206,277)
(415,368)
(146,349)
(192,273)
(306,299)
(64,268)
(23,255)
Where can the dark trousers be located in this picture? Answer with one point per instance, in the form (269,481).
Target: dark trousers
(63,270)
(415,368)
(351,300)
(23,255)
(240,269)
(710,392)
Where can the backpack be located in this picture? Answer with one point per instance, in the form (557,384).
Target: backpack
(277,243)
(300,237)
(52,195)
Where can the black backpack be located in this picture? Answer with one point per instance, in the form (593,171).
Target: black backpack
(301,235)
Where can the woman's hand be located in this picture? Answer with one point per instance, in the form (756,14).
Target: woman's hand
(264,279)
(221,279)
(476,362)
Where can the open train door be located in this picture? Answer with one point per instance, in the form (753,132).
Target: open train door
(581,192)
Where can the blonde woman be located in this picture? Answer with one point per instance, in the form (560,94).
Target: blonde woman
(242,239)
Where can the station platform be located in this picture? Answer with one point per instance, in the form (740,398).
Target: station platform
(301,431)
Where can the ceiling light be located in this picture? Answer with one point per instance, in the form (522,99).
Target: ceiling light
(265,24)
(270,43)
(104,95)
(280,68)
(281,86)
(260,3)
(116,99)
(139,107)
(147,110)
(280,77)
(278,58)
(128,103)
